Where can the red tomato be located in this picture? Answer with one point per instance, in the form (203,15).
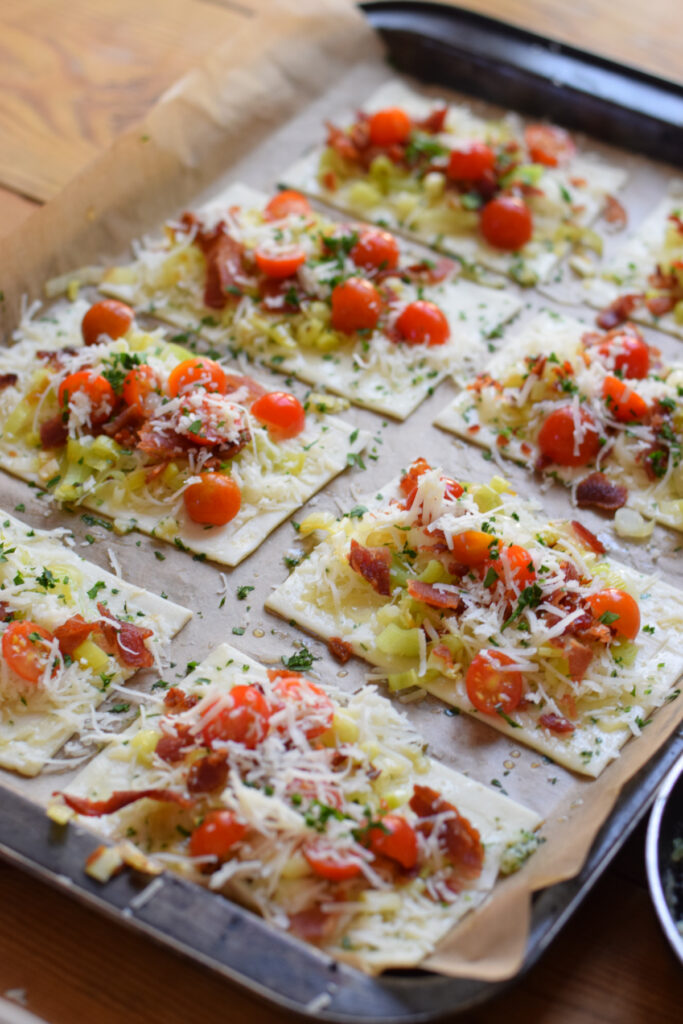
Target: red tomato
(286,203)
(548,145)
(490,688)
(109,317)
(389,127)
(470,163)
(515,561)
(96,388)
(334,865)
(243,717)
(280,263)
(198,372)
(423,323)
(622,402)
(214,500)
(556,438)
(613,602)
(26,649)
(629,352)
(506,223)
(138,384)
(314,710)
(375,250)
(472,547)
(216,835)
(395,838)
(356,306)
(281,412)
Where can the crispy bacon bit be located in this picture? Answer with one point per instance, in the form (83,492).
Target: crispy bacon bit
(57,358)
(313,925)
(6,614)
(53,432)
(93,808)
(597,491)
(427,272)
(434,122)
(431,595)
(342,143)
(283,296)
(224,262)
(208,773)
(72,633)
(127,639)
(459,837)
(173,745)
(556,723)
(654,460)
(588,538)
(373,564)
(618,311)
(124,427)
(7,380)
(176,701)
(443,654)
(658,305)
(339,649)
(579,656)
(614,213)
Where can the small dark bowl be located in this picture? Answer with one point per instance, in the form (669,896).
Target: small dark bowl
(664,875)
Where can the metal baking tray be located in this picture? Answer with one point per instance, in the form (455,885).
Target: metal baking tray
(517,69)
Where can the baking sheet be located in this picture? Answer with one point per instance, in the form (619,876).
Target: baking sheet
(252,108)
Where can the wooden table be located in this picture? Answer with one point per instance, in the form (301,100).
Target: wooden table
(73,73)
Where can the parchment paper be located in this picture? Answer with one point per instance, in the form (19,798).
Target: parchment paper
(256,103)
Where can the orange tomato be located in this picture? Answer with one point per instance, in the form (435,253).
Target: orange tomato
(375,250)
(395,838)
(472,547)
(282,413)
(244,719)
(280,263)
(423,323)
(26,647)
(548,144)
(334,865)
(618,610)
(471,162)
(515,561)
(286,203)
(199,372)
(389,127)
(109,317)
(314,710)
(356,306)
(96,388)
(491,688)
(556,438)
(214,500)
(622,402)
(218,833)
(506,223)
(138,384)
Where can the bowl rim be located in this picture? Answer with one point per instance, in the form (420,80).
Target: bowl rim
(652,841)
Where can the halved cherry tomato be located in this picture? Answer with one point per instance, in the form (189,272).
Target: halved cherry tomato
(280,263)
(214,500)
(491,688)
(282,413)
(26,649)
(216,835)
(556,438)
(395,838)
(109,317)
(630,352)
(506,223)
(199,372)
(138,384)
(625,404)
(356,305)
(423,323)
(611,602)
(389,127)
(513,561)
(334,865)
(243,718)
(548,144)
(471,162)
(97,390)
(313,709)
(472,547)
(286,203)
(375,250)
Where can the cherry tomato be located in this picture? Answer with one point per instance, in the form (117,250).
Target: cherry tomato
(216,835)
(423,323)
(548,145)
(356,305)
(513,562)
(334,865)
(470,163)
(280,263)
(26,647)
(196,372)
(286,203)
(506,223)
(613,602)
(281,412)
(109,317)
(557,442)
(214,500)
(243,717)
(389,127)
(625,404)
(490,688)
(472,547)
(395,838)
(630,353)
(138,384)
(96,388)
(414,472)
(375,250)
(314,710)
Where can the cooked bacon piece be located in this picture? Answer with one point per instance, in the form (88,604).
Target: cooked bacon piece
(343,144)
(53,432)
(208,773)
(176,701)
(72,633)
(173,745)
(459,837)
(124,427)
(614,213)
(443,654)
(93,808)
(431,595)
(7,380)
(434,122)
(281,296)
(597,491)
(224,262)
(5,614)
(339,649)
(427,272)
(313,925)
(556,723)
(163,444)
(588,538)
(618,311)
(127,638)
(579,656)
(658,305)
(57,358)
(373,564)
(655,460)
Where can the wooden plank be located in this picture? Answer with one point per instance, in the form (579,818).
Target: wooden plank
(13,210)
